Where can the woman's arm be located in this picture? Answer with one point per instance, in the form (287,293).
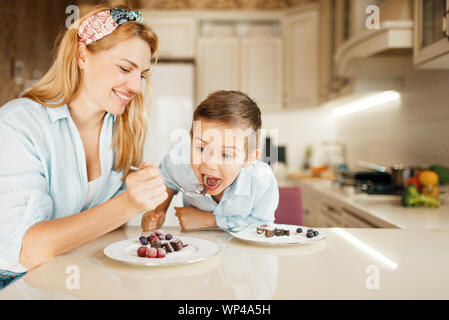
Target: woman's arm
(48,239)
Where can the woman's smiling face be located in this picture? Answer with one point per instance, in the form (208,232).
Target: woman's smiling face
(218,153)
(113,77)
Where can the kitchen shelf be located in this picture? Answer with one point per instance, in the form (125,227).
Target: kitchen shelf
(393,40)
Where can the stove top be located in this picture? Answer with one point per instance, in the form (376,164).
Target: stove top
(381,189)
(376,185)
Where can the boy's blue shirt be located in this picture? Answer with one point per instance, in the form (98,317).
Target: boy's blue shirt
(251,199)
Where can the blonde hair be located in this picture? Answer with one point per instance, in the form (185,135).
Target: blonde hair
(60,83)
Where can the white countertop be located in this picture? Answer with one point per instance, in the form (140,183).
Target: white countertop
(385,208)
(386,264)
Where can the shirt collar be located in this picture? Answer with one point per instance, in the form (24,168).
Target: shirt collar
(58,113)
(241,185)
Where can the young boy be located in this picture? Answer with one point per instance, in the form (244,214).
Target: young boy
(222,155)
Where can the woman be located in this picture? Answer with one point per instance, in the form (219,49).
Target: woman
(67,145)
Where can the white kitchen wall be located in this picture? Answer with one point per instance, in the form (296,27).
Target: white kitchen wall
(416,132)
(171,112)
(299,128)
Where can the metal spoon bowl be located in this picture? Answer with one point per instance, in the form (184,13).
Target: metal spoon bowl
(200,189)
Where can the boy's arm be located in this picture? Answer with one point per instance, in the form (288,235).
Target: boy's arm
(155,219)
(191,218)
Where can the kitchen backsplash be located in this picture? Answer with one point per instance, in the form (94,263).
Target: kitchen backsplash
(415,132)
(298,129)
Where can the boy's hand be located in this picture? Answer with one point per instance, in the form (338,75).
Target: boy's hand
(153,220)
(191,218)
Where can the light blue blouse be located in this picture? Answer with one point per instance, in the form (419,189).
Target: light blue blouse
(43,171)
(250,200)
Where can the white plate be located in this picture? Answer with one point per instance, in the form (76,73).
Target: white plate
(250,235)
(196,250)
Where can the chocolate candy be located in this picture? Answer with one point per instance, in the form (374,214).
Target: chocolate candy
(177,244)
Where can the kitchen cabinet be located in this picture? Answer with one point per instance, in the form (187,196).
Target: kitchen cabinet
(249,64)
(301,57)
(218,65)
(321,211)
(352,220)
(330,216)
(337,25)
(261,71)
(176,34)
(309,208)
(431,42)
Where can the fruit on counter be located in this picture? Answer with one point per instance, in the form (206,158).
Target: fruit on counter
(415,180)
(317,171)
(412,198)
(428,177)
(442,172)
(429,184)
(430,191)
(299,230)
(309,234)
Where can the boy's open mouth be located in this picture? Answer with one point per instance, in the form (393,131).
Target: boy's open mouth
(212,183)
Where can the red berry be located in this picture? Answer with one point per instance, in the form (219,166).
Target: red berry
(159,232)
(154,238)
(151,252)
(142,251)
(161,252)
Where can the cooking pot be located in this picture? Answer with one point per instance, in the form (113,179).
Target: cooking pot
(400,173)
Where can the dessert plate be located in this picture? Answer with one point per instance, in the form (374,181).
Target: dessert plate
(250,235)
(196,250)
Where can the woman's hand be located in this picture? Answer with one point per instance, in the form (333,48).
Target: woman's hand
(191,218)
(153,220)
(145,188)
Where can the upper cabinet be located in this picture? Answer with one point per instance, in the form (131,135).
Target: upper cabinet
(273,56)
(337,25)
(370,42)
(261,71)
(217,65)
(243,56)
(176,33)
(431,42)
(301,57)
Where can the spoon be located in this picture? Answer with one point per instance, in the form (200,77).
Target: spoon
(200,189)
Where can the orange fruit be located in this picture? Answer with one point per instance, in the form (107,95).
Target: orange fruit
(428,177)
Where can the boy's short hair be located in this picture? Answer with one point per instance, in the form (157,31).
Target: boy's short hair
(230,107)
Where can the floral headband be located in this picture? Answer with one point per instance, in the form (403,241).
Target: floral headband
(105,22)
